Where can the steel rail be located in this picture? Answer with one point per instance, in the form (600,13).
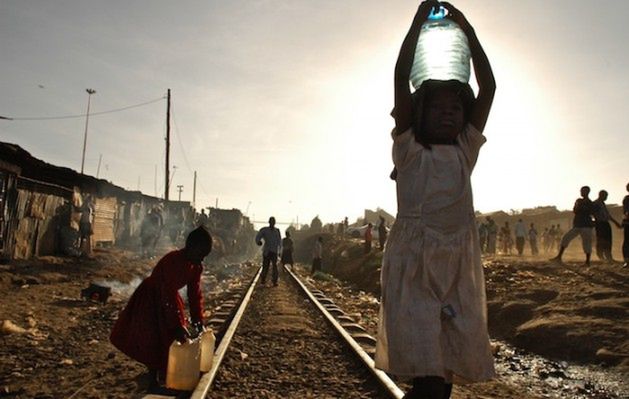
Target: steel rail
(206,380)
(203,387)
(385,381)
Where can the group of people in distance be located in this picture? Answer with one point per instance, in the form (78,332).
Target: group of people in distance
(589,215)
(432,327)
(492,239)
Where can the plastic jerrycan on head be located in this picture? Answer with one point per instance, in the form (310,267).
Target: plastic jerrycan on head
(207,349)
(442,51)
(184,361)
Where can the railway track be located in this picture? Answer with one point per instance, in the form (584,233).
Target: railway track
(289,340)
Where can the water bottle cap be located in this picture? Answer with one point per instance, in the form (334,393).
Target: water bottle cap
(440,14)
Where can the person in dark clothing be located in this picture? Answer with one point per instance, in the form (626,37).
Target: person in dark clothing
(368,238)
(603,228)
(287,251)
(581,226)
(272,244)
(382,233)
(317,255)
(155,313)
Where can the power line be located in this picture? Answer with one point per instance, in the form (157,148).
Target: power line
(44,118)
(183,151)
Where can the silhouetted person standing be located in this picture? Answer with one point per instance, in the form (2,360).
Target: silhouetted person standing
(272,243)
(507,242)
(603,228)
(368,238)
(520,236)
(317,255)
(85,225)
(492,234)
(533,239)
(203,219)
(382,233)
(581,226)
(482,236)
(287,250)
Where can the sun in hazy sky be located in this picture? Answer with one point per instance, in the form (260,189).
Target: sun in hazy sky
(283,107)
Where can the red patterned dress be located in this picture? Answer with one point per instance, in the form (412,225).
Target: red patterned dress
(146,327)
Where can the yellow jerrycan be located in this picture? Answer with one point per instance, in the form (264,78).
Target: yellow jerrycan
(208,340)
(184,360)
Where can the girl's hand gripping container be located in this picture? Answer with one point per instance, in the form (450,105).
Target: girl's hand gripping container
(208,341)
(442,51)
(184,360)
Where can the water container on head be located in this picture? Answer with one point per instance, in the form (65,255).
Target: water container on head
(442,51)
(184,360)
(207,349)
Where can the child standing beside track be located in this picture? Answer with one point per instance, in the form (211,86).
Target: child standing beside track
(155,314)
(433,320)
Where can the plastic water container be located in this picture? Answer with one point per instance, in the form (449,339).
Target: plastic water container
(442,51)
(184,361)
(207,349)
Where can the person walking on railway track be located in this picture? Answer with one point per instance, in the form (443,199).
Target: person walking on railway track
(272,244)
(433,317)
(581,226)
(287,251)
(155,313)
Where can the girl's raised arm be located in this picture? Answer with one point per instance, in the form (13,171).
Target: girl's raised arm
(482,70)
(403,111)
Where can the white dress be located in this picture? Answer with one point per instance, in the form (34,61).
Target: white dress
(433,317)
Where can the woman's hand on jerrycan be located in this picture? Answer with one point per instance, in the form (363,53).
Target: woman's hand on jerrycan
(182,334)
(456,15)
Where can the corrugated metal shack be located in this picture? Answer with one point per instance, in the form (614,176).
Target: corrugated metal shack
(36,201)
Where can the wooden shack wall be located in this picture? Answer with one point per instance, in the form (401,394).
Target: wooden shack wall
(38,220)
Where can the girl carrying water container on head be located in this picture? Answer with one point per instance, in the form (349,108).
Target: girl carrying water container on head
(433,321)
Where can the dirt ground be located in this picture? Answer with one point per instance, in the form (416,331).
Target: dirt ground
(55,344)
(562,327)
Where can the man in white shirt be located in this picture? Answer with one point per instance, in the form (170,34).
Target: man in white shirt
(520,236)
(272,245)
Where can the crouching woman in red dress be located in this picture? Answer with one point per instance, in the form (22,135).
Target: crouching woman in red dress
(155,314)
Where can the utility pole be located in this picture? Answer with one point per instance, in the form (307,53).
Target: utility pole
(87,117)
(194,190)
(180,189)
(100,158)
(216,203)
(155,182)
(167,173)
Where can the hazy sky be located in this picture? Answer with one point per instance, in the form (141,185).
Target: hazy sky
(283,106)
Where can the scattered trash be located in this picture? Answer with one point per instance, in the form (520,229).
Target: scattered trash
(32,323)
(66,362)
(8,327)
(243,356)
(96,292)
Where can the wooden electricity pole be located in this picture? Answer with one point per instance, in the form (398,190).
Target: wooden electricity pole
(167,173)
